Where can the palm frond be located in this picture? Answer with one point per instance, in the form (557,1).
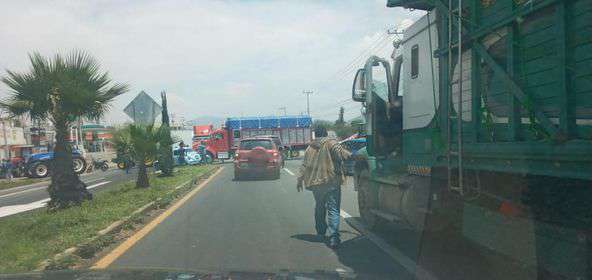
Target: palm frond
(83,90)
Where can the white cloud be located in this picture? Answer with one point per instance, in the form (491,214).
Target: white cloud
(260,53)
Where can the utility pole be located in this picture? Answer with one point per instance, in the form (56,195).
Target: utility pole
(308,93)
(284,110)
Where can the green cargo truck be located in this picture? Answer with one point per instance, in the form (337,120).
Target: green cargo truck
(481,122)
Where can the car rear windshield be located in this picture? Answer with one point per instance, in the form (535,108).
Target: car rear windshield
(251,144)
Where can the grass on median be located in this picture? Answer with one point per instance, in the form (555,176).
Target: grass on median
(29,238)
(4,184)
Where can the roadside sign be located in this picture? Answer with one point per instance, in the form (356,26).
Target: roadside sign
(143,109)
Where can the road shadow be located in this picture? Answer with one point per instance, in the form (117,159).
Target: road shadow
(368,261)
(313,238)
(365,259)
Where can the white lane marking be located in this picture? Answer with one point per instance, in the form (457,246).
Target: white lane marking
(15,209)
(15,193)
(97,185)
(94,180)
(406,262)
(40,187)
(288,171)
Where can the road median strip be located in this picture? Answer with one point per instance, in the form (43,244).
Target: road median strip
(72,237)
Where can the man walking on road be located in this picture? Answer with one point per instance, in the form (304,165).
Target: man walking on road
(322,173)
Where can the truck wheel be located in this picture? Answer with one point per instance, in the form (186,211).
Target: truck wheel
(39,170)
(104,166)
(366,198)
(211,157)
(79,165)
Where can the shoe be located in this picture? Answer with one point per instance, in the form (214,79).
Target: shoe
(334,243)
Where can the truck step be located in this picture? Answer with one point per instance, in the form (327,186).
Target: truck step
(456,189)
(385,215)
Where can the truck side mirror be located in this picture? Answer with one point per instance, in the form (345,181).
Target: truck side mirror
(359,86)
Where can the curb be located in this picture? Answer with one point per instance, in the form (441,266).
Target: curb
(105,237)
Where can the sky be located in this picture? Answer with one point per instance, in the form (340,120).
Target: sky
(213,58)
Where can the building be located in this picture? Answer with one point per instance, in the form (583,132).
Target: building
(97,137)
(13,142)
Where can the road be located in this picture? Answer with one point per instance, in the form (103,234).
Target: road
(256,226)
(25,198)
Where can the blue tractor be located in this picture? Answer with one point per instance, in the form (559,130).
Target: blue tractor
(38,165)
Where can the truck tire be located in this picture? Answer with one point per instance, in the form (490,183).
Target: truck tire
(79,165)
(211,156)
(366,198)
(39,170)
(104,166)
(121,165)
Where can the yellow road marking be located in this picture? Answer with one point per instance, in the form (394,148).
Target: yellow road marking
(127,244)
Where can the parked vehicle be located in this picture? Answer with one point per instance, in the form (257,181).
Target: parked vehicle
(121,162)
(489,136)
(38,165)
(353,145)
(257,155)
(293,131)
(191,158)
(103,165)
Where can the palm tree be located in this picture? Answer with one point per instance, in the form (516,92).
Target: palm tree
(143,147)
(62,90)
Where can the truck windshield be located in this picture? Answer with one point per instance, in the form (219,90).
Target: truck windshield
(251,144)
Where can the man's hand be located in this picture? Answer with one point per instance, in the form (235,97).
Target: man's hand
(299,185)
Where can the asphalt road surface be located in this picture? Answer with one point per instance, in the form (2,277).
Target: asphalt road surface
(29,197)
(257,226)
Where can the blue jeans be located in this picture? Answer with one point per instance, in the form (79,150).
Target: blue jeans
(328,203)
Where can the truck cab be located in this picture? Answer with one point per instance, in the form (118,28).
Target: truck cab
(398,94)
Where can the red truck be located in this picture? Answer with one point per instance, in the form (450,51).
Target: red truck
(201,133)
(293,131)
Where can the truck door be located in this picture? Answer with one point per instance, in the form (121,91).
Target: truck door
(374,87)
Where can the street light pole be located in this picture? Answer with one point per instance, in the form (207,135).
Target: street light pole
(308,93)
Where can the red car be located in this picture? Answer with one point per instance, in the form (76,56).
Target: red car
(257,155)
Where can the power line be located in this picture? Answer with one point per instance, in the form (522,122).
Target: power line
(375,51)
(363,53)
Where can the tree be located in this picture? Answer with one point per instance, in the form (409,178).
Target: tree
(340,121)
(143,147)
(165,157)
(62,89)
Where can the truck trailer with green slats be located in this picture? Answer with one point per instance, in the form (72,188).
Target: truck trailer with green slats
(481,121)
